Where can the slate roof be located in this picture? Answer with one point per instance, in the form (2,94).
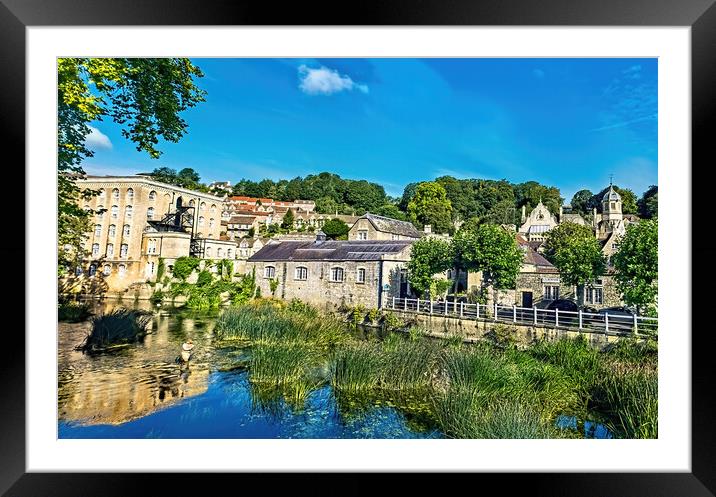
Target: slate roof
(390,225)
(330,250)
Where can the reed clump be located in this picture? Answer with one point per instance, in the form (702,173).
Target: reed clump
(73,312)
(116,328)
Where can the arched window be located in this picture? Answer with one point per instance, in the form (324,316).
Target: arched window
(202,206)
(201,220)
(123,250)
(110,249)
(210,235)
(106,270)
(87,208)
(126,230)
(97,230)
(211,222)
(301,273)
(101,193)
(130,193)
(128,211)
(122,269)
(200,235)
(219,252)
(100,212)
(150,213)
(95,249)
(152,246)
(213,208)
(92,269)
(167,197)
(269,272)
(115,211)
(191,203)
(112,230)
(228,253)
(78,270)
(115,193)
(208,251)
(152,195)
(337,274)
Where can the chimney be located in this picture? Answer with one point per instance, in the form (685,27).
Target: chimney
(320,236)
(427,229)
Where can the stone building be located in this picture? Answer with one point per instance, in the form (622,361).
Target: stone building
(373,227)
(336,272)
(610,225)
(239,226)
(141,221)
(538,223)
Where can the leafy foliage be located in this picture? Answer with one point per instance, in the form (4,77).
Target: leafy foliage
(637,264)
(428,257)
(649,203)
(430,205)
(492,250)
(184,266)
(336,229)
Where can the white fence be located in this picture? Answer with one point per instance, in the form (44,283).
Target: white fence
(615,324)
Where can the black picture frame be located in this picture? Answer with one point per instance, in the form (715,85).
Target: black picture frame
(700,15)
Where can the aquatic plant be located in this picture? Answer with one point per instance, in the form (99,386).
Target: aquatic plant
(409,364)
(73,312)
(118,327)
(357,367)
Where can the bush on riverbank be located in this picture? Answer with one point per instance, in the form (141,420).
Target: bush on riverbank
(118,327)
(73,312)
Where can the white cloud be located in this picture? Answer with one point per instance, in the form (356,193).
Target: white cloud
(325,81)
(97,139)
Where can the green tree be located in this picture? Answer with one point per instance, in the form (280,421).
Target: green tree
(391,211)
(336,229)
(577,254)
(428,257)
(492,250)
(637,265)
(288,220)
(188,178)
(530,193)
(143,95)
(582,202)
(430,205)
(649,203)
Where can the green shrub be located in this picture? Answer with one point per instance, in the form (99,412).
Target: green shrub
(157,297)
(184,266)
(205,278)
(373,315)
(73,312)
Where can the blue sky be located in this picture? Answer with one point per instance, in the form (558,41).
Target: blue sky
(563,122)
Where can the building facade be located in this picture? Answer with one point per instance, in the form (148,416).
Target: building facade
(373,227)
(339,272)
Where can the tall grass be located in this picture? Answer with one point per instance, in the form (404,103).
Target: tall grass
(629,399)
(357,368)
(118,327)
(73,312)
(409,364)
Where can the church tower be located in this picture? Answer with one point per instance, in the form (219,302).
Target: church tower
(611,206)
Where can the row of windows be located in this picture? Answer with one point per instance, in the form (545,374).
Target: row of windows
(106,270)
(337,274)
(123,249)
(152,196)
(219,252)
(594,295)
(126,230)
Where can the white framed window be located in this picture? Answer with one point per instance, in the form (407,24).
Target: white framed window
(115,193)
(123,250)
(106,270)
(112,230)
(362,234)
(301,273)
(551,292)
(337,274)
(150,213)
(128,212)
(115,211)
(228,253)
(202,206)
(126,230)
(130,193)
(213,208)
(100,212)
(211,222)
(594,295)
(97,230)
(152,195)
(92,269)
(122,270)
(152,246)
(95,249)
(269,272)
(110,249)
(360,275)
(101,193)
(208,251)
(191,203)
(201,220)
(219,252)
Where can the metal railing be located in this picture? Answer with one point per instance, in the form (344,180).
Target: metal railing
(610,324)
